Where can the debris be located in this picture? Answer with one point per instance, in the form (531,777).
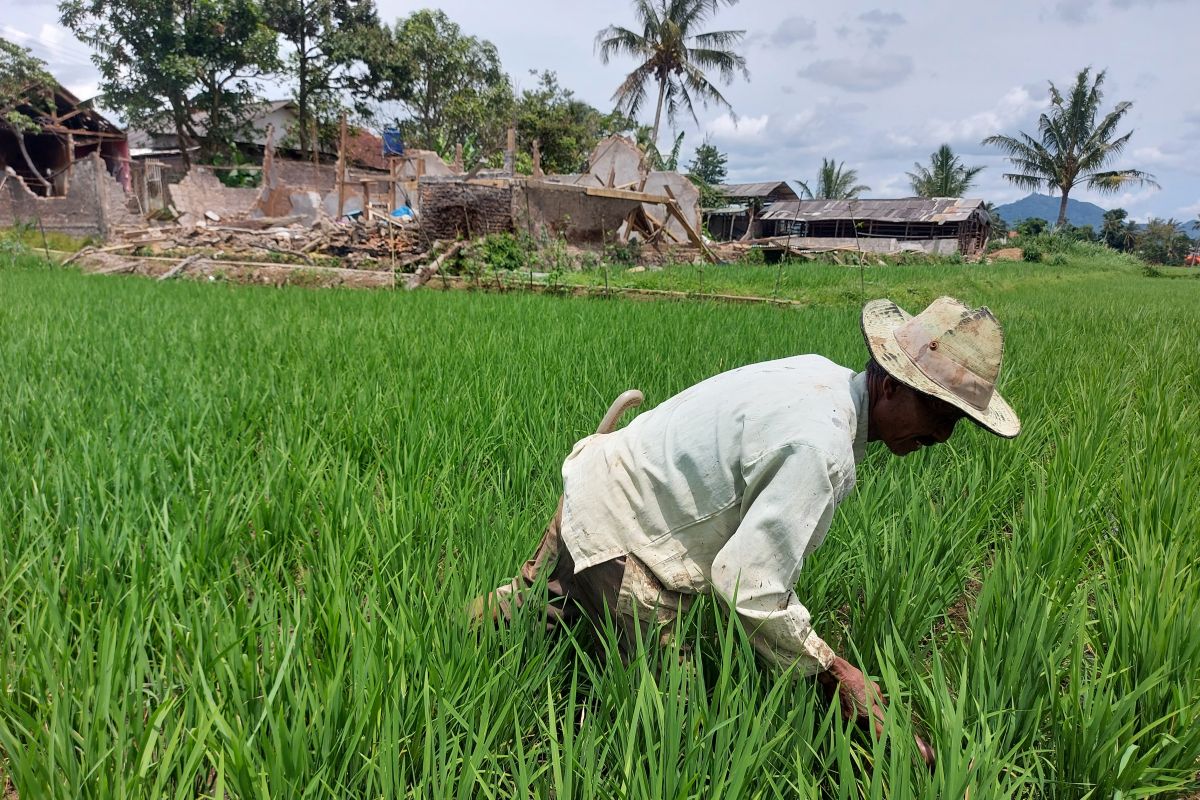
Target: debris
(180,267)
(424,273)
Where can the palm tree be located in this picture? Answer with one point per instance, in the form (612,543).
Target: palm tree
(834,183)
(673,55)
(1072,147)
(944,177)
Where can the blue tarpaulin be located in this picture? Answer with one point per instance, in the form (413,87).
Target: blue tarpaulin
(393,145)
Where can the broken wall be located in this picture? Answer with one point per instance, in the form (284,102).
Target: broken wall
(94,204)
(202,191)
(454,208)
(687,198)
(546,209)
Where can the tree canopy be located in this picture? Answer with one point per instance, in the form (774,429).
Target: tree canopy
(450,85)
(24,82)
(162,61)
(1072,147)
(566,128)
(834,182)
(674,55)
(331,44)
(709,164)
(946,175)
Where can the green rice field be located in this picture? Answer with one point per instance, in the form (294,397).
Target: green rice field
(239,528)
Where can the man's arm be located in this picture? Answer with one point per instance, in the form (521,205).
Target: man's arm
(787,504)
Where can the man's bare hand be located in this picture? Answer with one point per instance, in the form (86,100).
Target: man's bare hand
(861,700)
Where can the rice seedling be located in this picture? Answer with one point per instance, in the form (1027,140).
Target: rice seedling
(240,527)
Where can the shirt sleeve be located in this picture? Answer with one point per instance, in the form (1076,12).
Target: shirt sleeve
(787,506)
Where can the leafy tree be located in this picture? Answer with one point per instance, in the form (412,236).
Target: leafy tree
(1033,226)
(450,85)
(674,56)
(566,128)
(24,82)
(669,162)
(999,226)
(709,164)
(1072,147)
(945,176)
(330,42)
(1117,232)
(834,182)
(163,61)
(1163,242)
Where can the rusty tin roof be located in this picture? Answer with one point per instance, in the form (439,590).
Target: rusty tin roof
(907,209)
(765,189)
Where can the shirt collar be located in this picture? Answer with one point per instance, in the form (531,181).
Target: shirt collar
(860,396)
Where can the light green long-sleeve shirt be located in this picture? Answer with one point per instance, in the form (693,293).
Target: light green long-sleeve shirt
(726,487)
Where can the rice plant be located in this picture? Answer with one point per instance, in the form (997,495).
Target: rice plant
(240,527)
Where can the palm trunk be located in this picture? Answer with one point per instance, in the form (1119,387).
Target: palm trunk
(1062,209)
(662,91)
(29,163)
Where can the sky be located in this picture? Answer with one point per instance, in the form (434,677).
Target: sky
(875,84)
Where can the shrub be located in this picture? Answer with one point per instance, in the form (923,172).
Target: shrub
(1031,253)
(504,251)
(628,254)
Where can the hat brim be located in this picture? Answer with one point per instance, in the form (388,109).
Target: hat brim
(880,318)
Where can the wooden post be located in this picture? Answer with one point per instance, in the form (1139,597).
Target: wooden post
(101,205)
(391,201)
(510,151)
(458,158)
(537,158)
(316,153)
(366,191)
(341,169)
(70,164)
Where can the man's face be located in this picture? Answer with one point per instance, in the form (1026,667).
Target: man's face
(906,420)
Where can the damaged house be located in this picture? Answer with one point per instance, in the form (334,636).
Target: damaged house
(940,225)
(66,166)
(738,219)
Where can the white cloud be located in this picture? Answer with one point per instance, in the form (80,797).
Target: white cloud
(726,129)
(1189,212)
(1074,11)
(869,73)
(877,16)
(1014,106)
(792,30)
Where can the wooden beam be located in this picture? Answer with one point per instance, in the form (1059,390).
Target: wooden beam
(341,169)
(625,194)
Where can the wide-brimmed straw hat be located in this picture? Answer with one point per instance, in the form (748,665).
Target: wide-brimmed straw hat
(948,351)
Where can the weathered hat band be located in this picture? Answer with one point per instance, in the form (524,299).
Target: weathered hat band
(921,347)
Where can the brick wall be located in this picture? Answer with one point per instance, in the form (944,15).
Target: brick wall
(94,204)
(454,208)
(201,191)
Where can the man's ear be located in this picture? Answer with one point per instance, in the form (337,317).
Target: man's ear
(890,386)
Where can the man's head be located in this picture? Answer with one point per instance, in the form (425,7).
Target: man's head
(929,371)
(904,419)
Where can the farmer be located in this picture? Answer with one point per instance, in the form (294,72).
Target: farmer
(728,486)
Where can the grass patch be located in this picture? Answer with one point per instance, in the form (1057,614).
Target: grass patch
(242,524)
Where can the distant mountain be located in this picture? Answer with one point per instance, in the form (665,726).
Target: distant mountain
(1046,207)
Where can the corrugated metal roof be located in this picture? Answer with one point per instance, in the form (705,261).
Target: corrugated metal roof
(757,189)
(908,209)
(734,209)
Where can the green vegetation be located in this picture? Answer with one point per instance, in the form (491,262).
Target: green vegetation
(674,58)
(946,175)
(833,182)
(1072,147)
(242,524)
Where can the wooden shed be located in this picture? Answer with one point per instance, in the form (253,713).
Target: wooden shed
(942,225)
(738,219)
